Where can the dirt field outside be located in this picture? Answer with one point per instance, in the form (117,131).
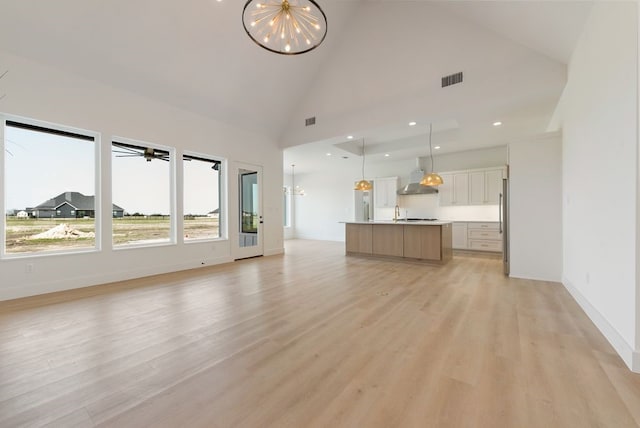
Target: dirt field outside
(127,230)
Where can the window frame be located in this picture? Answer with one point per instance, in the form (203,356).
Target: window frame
(222,192)
(173,225)
(62,130)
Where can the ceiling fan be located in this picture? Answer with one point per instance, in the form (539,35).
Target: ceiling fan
(124,150)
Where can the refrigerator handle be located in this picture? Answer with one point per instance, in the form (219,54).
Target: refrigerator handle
(500,212)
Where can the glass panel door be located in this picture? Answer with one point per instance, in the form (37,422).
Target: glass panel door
(249,209)
(249,226)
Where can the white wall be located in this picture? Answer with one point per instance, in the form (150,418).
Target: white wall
(329,196)
(535,191)
(395,78)
(636,362)
(48,94)
(470,159)
(600,167)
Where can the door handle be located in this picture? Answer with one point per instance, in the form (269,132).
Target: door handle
(500,212)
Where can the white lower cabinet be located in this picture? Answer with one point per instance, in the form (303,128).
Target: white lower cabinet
(484,236)
(459,240)
(479,236)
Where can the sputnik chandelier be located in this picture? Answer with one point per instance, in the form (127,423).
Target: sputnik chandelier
(287,27)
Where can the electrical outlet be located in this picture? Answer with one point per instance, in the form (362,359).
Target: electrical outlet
(587,278)
(28,268)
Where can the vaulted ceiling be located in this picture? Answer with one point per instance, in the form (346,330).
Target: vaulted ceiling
(379,67)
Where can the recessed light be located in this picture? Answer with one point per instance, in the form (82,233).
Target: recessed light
(345,157)
(498,123)
(386,155)
(328,154)
(437,147)
(349,137)
(412,123)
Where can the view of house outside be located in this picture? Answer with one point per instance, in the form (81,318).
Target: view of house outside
(50,188)
(42,172)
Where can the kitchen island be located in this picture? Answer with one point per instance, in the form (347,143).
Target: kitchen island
(424,241)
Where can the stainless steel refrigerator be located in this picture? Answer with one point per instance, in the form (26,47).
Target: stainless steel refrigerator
(504,222)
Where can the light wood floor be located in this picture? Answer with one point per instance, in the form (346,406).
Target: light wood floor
(313,339)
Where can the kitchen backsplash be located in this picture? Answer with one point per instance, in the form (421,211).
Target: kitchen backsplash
(427,206)
(419,206)
(470,213)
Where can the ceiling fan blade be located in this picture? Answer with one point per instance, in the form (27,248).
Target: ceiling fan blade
(127,151)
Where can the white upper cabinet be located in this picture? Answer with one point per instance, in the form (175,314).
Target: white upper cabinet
(473,187)
(461,188)
(385,192)
(454,189)
(493,186)
(476,188)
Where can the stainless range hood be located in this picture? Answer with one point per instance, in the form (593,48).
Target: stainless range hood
(414,187)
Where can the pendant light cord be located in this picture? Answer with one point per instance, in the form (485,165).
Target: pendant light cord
(363,158)
(430,150)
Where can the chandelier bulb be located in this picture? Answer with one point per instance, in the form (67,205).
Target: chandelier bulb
(301,27)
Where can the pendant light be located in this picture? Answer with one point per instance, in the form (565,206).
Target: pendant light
(295,190)
(286,27)
(363,184)
(431,179)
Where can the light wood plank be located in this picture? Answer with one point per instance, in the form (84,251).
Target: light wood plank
(312,338)
(388,240)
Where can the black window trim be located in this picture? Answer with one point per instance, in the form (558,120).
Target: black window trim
(46,130)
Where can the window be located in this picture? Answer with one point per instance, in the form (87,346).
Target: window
(141,188)
(249,198)
(201,193)
(47,170)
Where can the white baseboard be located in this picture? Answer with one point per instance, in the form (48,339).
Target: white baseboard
(630,356)
(533,277)
(65,284)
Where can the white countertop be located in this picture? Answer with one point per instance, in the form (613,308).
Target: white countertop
(420,223)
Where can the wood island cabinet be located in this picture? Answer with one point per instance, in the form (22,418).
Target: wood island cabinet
(422,242)
(387,240)
(359,238)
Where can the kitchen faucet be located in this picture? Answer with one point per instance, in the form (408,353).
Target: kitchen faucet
(396,213)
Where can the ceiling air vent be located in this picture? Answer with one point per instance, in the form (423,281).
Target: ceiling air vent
(310,121)
(452,79)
